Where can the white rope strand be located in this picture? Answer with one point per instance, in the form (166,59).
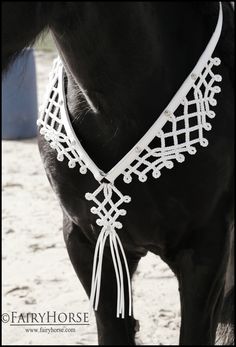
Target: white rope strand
(115,246)
(97,269)
(176,131)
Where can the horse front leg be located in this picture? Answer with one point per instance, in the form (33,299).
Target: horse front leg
(111,330)
(200,269)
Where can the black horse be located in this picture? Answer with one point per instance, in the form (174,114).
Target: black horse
(131,57)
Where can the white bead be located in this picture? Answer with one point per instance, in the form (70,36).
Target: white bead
(142,178)
(127,199)
(42,131)
(167,113)
(213,102)
(127,179)
(169,164)
(217,89)
(218,78)
(83,170)
(138,149)
(99,222)
(118,225)
(192,150)
(204,142)
(93,210)
(60,157)
(156,173)
(180,158)
(193,76)
(88,196)
(71,164)
(207,126)
(217,61)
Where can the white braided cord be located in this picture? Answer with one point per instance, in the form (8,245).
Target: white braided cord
(179,128)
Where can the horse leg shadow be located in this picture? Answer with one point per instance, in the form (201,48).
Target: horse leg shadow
(111,330)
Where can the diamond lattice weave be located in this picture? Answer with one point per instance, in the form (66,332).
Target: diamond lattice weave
(179,130)
(194,109)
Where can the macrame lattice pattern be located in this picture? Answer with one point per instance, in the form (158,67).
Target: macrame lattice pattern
(52,124)
(184,129)
(180,132)
(108,200)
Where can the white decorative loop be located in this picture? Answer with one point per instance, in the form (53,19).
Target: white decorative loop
(51,122)
(93,210)
(156,173)
(71,164)
(207,126)
(127,178)
(89,196)
(188,123)
(83,170)
(211,114)
(142,177)
(127,199)
(216,61)
(42,131)
(218,78)
(169,164)
(177,131)
(60,157)
(99,222)
(107,210)
(108,200)
(204,142)
(118,225)
(192,150)
(180,158)
(213,102)
(217,89)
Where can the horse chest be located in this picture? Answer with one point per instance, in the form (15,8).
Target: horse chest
(159,215)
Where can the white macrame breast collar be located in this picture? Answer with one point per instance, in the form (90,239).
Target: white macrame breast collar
(192,102)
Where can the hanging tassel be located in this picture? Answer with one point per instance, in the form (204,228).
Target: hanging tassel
(116,248)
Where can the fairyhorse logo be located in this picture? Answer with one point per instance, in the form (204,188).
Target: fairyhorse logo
(45,318)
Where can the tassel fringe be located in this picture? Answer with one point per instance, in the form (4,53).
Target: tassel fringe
(116,251)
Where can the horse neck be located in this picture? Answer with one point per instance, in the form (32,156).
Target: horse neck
(22,23)
(124,63)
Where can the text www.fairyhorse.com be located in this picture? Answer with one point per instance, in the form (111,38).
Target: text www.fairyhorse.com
(50,330)
(46,322)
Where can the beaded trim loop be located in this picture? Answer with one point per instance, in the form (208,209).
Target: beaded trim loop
(177,131)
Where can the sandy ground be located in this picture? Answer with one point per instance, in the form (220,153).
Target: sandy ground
(37,273)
